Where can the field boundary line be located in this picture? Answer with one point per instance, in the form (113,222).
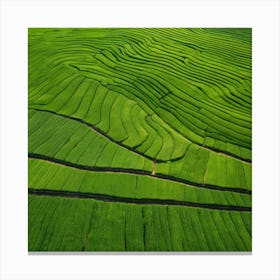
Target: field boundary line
(145,201)
(99,131)
(137,172)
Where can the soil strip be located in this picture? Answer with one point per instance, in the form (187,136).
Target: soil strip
(109,198)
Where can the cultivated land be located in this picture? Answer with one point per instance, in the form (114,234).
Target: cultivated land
(139,139)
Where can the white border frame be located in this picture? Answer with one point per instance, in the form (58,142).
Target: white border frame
(17,16)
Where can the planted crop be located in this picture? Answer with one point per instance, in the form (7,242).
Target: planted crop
(139,139)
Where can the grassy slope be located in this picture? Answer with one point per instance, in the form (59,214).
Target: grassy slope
(125,98)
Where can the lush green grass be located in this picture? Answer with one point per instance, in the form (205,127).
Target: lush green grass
(134,113)
(202,87)
(59,224)
(52,176)
(69,140)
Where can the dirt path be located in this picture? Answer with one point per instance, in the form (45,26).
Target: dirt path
(153,168)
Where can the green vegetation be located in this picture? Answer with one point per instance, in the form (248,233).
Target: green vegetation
(139,139)
(83,224)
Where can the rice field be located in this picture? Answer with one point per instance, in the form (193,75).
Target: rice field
(140,139)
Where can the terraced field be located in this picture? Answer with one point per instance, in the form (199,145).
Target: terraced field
(139,139)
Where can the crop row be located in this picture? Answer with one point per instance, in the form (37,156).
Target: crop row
(64,224)
(138,118)
(178,93)
(69,140)
(53,176)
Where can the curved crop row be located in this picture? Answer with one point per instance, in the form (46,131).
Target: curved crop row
(69,140)
(153,76)
(139,139)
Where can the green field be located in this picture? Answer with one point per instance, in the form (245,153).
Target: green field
(140,139)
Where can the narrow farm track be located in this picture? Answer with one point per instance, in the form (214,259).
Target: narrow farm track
(108,198)
(136,172)
(140,139)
